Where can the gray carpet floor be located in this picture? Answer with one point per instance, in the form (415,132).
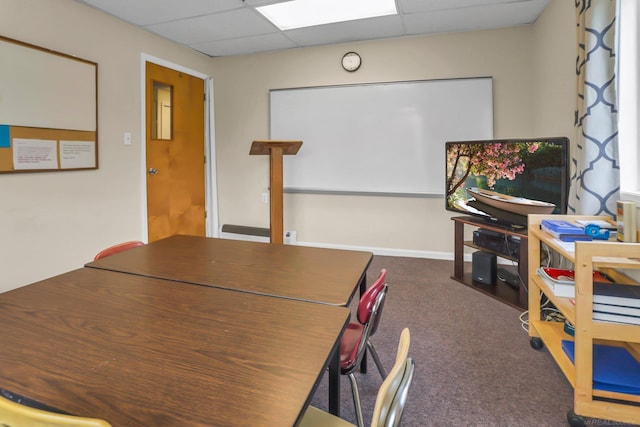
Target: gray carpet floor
(474,364)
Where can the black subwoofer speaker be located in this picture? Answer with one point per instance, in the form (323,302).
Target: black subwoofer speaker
(484,267)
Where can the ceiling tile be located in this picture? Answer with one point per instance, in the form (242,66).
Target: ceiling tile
(258,3)
(472,18)
(245,45)
(365,29)
(147,12)
(416,6)
(226,25)
(234,27)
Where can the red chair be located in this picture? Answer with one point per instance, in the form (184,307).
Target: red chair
(364,308)
(353,343)
(120,247)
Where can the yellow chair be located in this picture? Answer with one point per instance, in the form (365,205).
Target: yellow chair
(14,414)
(390,400)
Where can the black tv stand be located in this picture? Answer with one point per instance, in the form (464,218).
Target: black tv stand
(515,296)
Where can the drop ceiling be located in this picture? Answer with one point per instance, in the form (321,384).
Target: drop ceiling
(234,27)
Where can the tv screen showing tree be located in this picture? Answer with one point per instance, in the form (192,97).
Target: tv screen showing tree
(505,180)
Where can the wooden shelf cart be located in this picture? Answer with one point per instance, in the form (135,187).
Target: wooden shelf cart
(612,258)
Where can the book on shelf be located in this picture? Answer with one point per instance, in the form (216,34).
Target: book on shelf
(616,309)
(616,294)
(614,313)
(561,226)
(564,230)
(562,281)
(573,237)
(626,214)
(559,288)
(616,318)
(614,368)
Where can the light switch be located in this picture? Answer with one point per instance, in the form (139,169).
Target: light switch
(127,138)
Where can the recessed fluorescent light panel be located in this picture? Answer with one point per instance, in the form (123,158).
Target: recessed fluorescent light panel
(307,13)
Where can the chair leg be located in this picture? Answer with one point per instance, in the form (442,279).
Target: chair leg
(376,359)
(356,399)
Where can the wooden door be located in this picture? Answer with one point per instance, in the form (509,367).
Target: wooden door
(175,157)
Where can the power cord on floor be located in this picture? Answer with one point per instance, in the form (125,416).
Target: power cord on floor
(547,313)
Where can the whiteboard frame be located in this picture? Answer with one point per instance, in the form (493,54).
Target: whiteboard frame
(388,89)
(47,95)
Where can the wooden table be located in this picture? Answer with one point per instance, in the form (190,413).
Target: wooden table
(327,276)
(139,351)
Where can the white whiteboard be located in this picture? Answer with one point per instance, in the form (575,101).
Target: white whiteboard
(42,89)
(385,138)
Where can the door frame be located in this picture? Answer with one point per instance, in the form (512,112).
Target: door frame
(211,185)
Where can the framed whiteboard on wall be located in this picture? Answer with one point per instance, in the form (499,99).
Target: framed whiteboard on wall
(48,109)
(382,138)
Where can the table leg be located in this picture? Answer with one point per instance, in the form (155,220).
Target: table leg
(334,382)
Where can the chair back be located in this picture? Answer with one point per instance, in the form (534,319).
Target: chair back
(371,325)
(13,414)
(120,247)
(393,392)
(368,298)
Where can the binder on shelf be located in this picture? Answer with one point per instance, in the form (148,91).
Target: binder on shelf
(561,226)
(614,368)
(564,230)
(626,213)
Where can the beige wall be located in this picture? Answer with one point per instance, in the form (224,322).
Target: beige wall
(554,50)
(533,86)
(54,222)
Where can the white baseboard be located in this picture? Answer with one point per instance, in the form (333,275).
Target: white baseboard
(251,235)
(385,251)
(448,256)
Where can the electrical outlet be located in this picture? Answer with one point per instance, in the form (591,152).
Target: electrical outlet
(290,237)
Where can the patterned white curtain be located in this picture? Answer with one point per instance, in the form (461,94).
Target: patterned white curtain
(595,180)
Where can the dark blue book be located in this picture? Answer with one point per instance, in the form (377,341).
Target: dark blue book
(574,237)
(614,368)
(616,294)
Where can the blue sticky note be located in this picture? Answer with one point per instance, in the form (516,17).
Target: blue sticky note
(5,139)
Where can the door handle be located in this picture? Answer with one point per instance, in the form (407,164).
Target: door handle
(153,171)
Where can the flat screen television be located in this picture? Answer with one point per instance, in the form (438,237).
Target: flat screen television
(504,180)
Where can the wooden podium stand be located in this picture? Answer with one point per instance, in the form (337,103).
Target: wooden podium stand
(275,149)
